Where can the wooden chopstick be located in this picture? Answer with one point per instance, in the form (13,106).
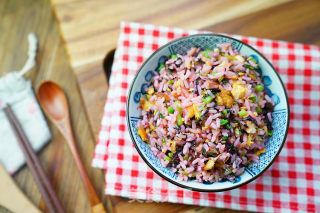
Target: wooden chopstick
(34,164)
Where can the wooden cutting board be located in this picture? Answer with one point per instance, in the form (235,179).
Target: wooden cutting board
(90,30)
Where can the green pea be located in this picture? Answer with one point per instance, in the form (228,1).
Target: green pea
(171,110)
(224,113)
(167,158)
(170,154)
(170,82)
(259,88)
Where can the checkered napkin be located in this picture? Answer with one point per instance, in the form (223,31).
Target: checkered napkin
(291,184)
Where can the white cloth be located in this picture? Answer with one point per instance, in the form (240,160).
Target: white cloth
(17,92)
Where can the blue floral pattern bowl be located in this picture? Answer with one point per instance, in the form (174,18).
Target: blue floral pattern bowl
(273,86)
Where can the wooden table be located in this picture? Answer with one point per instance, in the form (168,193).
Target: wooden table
(89,32)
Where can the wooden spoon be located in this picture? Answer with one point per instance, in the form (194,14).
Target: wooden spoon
(54,102)
(12,197)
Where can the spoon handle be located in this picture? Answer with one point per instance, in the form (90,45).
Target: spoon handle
(96,204)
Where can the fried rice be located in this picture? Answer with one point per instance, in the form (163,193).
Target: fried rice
(206,114)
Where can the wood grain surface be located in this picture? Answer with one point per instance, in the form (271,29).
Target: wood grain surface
(90,30)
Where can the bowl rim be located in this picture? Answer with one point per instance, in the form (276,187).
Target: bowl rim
(174,181)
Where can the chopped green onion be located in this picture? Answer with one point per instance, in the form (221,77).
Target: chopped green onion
(227,170)
(223,122)
(211,154)
(161,116)
(173,56)
(220,78)
(207,99)
(170,82)
(213,73)
(167,158)
(259,110)
(171,110)
(203,151)
(235,103)
(228,126)
(169,72)
(224,138)
(160,67)
(259,88)
(155,112)
(259,138)
(179,120)
(242,154)
(270,133)
(224,81)
(224,113)
(163,140)
(249,67)
(240,132)
(170,154)
(253,99)
(243,113)
(186,173)
(186,157)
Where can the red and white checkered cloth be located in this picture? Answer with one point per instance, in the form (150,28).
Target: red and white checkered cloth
(291,184)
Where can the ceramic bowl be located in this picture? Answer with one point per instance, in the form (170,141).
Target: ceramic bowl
(273,86)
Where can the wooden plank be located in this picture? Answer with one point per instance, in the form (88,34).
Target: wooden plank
(297,21)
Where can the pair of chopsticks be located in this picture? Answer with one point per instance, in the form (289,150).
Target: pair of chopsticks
(52,202)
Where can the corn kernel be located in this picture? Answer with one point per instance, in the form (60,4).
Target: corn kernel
(205,127)
(169,90)
(208,63)
(177,84)
(164,150)
(243,108)
(152,126)
(150,91)
(259,152)
(239,58)
(142,133)
(222,64)
(210,164)
(255,114)
(241,73)
(173,146)
(234,77)
(249,140)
